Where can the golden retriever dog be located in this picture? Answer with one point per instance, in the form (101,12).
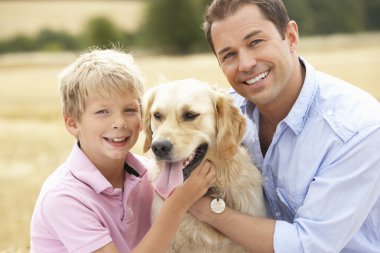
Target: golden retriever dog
(185,122)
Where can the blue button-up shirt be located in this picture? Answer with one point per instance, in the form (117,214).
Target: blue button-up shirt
(322,170)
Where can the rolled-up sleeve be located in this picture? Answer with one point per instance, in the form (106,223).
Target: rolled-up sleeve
(341,204)
(286,238)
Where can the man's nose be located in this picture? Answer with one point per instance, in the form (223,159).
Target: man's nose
(246,61)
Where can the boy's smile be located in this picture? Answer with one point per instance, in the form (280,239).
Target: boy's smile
(117,141)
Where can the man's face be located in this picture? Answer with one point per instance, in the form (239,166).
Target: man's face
(256,60)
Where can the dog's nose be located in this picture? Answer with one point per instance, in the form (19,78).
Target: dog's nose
(162,148)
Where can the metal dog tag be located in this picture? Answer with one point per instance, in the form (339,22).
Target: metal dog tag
(217,205)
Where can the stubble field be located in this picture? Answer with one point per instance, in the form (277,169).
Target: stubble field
(33,140)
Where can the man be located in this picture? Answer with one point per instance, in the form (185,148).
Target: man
(314,137)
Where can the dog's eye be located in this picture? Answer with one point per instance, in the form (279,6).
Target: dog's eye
(157,115)
(188,116)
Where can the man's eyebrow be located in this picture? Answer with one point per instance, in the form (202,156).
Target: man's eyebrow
(251,34)
(222,51)
(248,36)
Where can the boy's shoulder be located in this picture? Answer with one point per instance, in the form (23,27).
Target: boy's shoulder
(62,182)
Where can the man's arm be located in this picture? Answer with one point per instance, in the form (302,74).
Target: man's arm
(340,199)
(252,233)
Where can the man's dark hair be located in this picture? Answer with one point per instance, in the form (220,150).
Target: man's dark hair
(218,10)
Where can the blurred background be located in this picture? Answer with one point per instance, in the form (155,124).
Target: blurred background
(39,38)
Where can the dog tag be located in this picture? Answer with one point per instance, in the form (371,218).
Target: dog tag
(217,205)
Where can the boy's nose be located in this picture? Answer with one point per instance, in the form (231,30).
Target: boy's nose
(119,122)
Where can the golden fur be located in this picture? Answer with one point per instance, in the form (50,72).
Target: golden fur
(222,127)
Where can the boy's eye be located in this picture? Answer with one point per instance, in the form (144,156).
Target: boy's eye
(131,110)
(101,112)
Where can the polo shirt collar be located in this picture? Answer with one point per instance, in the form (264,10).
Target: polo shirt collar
(135,164)
(84,170)
(297,116)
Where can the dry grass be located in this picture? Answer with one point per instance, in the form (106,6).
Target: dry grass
(28,17)
(34,140)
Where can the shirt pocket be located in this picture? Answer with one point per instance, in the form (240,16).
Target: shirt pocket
(288,203)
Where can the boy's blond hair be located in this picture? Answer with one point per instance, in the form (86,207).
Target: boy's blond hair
(103,73)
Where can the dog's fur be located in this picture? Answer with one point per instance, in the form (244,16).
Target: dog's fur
(222,127)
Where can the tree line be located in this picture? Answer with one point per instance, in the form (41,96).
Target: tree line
(173,26)
(316,17)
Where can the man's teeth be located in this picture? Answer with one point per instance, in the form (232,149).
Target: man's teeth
(257,78)
(121,139)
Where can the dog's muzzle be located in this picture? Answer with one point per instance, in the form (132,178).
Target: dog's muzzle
(162,149)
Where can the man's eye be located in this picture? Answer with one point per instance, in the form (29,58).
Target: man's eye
(157,115)
(189,116)
(255,42)
(228,55)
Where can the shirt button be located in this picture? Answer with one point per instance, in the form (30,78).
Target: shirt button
(330,113)
(278,214)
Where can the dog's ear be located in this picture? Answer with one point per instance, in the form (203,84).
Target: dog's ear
(147,105)
(231,126)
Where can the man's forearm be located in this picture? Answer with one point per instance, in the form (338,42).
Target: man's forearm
(252,233)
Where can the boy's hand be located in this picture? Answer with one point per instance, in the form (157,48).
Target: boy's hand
(200,180)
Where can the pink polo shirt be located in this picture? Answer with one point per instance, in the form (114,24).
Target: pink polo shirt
(78,210)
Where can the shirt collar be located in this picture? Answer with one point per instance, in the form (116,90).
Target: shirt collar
(297,116)
(137,166)
(84,170)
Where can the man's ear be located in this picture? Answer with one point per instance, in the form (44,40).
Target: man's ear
(292,35)
(71,124)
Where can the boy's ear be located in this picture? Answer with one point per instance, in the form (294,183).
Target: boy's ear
(71,124)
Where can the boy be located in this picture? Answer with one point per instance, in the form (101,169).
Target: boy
(99,199)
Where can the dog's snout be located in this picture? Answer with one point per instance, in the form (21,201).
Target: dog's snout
(162,148)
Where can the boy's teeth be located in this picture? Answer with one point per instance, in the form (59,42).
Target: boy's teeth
(116,139)
(258,78)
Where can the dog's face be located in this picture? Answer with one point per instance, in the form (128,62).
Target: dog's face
(183,120)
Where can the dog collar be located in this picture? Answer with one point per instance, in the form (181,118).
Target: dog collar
(217,205)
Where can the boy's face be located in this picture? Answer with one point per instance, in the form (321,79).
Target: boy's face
(108,129)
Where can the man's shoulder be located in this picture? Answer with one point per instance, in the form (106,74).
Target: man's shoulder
(347,108)
(239,100)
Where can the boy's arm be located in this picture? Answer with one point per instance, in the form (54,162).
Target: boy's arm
(109,248)
(161,233)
